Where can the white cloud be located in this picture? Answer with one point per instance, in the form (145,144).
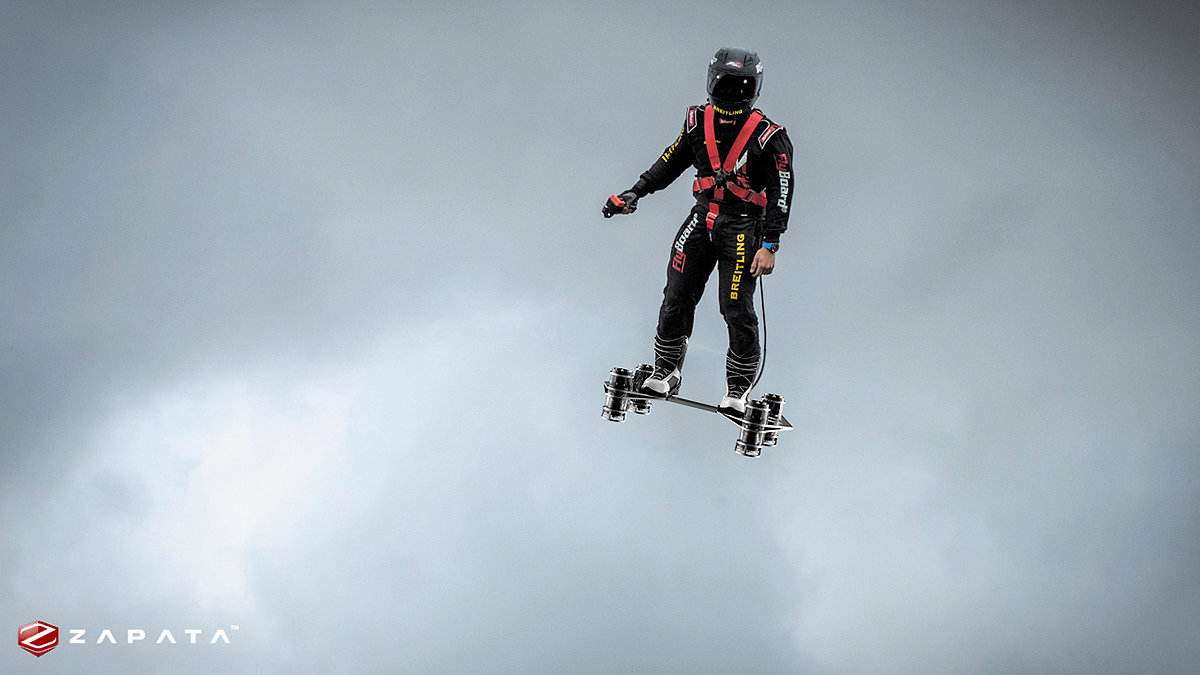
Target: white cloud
(209,470)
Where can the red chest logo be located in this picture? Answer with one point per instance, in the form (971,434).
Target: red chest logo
(767,134)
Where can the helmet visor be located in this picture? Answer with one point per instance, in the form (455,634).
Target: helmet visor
(733,88)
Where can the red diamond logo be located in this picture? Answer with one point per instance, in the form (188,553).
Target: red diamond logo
(38,637)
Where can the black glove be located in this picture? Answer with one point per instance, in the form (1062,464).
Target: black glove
(626,202)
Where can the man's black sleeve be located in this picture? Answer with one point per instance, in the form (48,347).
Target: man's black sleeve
(673,162)
(778,154)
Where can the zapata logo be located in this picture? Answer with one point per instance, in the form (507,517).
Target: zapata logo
(38,637)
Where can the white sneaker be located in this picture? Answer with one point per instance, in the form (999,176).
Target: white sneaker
(659,384)
(734,402)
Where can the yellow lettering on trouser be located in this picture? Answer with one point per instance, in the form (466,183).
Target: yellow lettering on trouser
(741,265)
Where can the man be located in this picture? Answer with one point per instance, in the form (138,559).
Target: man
(743,196)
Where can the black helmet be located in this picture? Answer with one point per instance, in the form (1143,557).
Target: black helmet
(734,80)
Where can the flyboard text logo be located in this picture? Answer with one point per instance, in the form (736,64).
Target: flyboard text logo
(40,637)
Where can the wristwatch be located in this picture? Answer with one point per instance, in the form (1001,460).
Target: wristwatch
(772,246)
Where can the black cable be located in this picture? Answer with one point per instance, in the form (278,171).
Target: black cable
(762,362)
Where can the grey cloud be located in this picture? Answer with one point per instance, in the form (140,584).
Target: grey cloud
(304,310)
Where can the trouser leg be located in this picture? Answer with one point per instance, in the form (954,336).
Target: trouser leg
(691,262)
(737,242)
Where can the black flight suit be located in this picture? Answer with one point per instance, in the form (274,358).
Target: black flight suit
(723,230)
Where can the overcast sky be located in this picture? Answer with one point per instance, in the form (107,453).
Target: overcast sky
(304,310)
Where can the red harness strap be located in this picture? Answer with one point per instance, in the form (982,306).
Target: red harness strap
(726,167)
(706,182)
(735,151)
(756,198)
(713,212)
